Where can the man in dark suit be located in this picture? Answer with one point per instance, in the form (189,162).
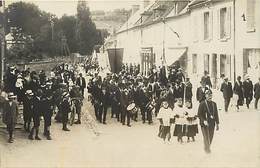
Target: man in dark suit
(27,109)
(37,112)
(81,82)
(206,79)
(123,98)
(248,90)
(200,94)
(208,117)
(226,89)
(188,91)
(65,109)
(10,114)
(47,108)
(238,90)
(257,92)
(105,101)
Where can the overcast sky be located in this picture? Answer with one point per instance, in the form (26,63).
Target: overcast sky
(60,7)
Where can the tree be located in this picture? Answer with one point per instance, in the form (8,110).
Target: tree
(31,27)
(66,26)
(87,34)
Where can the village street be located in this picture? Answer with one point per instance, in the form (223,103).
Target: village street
(236,144)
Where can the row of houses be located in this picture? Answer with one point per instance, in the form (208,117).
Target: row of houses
(218,36)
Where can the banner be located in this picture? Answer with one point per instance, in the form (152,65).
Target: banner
(115,56)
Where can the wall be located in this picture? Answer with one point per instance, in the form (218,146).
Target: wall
(213,45)
(244,38)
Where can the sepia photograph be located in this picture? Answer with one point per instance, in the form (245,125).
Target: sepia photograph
(129,83)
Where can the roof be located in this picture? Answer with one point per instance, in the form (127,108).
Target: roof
(195,2)
(133,19)
(153,13)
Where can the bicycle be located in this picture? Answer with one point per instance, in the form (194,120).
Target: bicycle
(75,102)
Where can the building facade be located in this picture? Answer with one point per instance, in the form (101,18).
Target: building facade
(220,37)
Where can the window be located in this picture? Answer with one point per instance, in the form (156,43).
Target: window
(223,67)
(195,28)
(250,15)
(206,25)
(194,63)
(214,70)
(251,62)
(223,14)
(225,22)
(206,62)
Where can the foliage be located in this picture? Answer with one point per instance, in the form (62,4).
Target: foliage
(87,35)
(37,34)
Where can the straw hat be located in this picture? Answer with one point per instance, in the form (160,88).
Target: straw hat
(11,95)
(29,92)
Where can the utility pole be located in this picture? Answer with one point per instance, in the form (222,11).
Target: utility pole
(3,43)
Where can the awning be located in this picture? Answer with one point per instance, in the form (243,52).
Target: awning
(174,54)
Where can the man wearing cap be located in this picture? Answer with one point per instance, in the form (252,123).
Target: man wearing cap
(37,112)
(257,92)
(238,90)
(27,109)
(65,110)
(200,94)
(226,89)
(206,79)
(81,82)
(47,109)
(10,114)
(105,101)
(188,91)
(208,116)
(248,90)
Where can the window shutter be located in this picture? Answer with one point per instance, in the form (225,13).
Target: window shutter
(210,25)
(218,24)
(195,27)
(250,15)
(228,23)
(202,26)
(245,61)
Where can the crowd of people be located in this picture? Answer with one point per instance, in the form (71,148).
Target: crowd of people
(167,98)
(244,92)
(40,96)
(128,93)
(164,97)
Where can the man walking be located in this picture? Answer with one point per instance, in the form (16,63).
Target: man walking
(208,116)
(81,82)
(248,90)
(10,111)
(200,94)
(206,79)
(238,90)
(226,89)
(257,92)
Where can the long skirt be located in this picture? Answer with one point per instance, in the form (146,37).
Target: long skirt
(192,130)
(180,130)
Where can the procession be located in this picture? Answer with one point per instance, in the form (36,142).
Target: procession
(129,84)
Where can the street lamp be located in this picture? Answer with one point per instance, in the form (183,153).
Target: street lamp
(3,43)
(51,19)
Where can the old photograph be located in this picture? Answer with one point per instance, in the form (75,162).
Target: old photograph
(129,83)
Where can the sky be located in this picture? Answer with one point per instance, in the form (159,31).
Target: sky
(60,7)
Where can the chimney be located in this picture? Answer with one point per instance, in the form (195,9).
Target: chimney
(135,8)
(146,3)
